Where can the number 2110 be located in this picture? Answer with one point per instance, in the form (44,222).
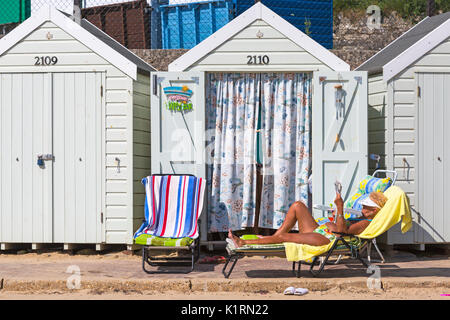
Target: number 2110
(258,59)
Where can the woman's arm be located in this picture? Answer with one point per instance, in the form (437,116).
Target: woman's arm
(358,227)
(340,221)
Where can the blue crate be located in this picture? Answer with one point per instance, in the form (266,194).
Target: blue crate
(186,25)
(183,26)
(297,12)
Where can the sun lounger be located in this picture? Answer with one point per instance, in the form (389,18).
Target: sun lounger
(173,206)
(395,210)
(234,254)
(367,185)
(274,250)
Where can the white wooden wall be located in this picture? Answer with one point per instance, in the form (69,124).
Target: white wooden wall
(25,131)
(77,148)
(284,54)
(401,123)
(62,45)
(339,143)
(141,145)
(377,120)
(73,56)
(433,165)
(119,134)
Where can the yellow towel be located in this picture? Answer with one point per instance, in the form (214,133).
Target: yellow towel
(297,252)
(395,210)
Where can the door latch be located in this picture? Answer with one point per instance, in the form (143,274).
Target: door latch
(118,164)
(40,161)
(47,157)
(44,157)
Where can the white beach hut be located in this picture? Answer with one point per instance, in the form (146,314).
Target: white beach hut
(409,100)
(260,45)
(74,132)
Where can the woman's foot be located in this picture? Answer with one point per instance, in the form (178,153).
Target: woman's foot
(238,242)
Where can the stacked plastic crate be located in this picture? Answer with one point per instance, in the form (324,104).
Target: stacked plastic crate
(185,23)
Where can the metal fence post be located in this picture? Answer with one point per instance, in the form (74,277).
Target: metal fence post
(77,11)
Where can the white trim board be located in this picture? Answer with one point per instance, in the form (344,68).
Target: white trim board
(258,12)
(390,44)
(118,43)
(416,51)
(49,13)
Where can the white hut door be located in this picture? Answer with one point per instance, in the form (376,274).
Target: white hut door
(339,136)
(178,123)
(77,144)
(25,132)
(433,157)
(178,126)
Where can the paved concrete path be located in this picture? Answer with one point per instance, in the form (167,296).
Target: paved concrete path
(119,272)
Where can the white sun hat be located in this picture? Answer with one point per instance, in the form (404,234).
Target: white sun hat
(369,203)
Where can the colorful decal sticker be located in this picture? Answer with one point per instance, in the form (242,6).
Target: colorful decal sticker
(178,98)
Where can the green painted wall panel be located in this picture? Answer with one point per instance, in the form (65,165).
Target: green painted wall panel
(14,10)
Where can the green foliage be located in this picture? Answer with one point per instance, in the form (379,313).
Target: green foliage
(443,5)
(307,26)
(405,8)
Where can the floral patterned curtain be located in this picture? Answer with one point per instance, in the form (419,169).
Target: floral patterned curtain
(234,102)
(232,105)
(286,143)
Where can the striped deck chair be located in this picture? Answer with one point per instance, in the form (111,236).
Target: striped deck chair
(173,205)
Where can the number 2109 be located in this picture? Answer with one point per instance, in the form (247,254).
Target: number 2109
(45,61)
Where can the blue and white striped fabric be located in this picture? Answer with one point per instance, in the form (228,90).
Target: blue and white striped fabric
(173,205)
(371,184)
(366,186)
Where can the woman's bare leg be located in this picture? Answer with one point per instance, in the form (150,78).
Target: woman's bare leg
(298,212)
(310,238)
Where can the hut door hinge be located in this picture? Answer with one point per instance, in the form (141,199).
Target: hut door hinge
(101,217)
(101,91)
(418,91)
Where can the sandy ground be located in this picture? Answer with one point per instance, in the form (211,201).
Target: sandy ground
(269,276)
(334,294)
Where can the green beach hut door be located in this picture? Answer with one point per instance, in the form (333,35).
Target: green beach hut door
(339,139)
(178,123)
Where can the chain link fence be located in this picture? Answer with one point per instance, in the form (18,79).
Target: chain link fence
(173,24)
(185,23)
(128,22)
(182,24)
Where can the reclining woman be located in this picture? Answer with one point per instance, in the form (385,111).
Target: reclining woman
(310,232)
